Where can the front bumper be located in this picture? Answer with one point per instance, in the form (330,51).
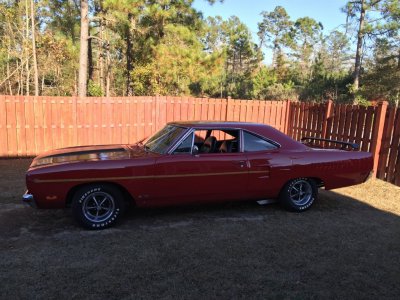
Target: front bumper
(28,199)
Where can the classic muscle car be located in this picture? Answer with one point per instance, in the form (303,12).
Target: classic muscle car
(191,162)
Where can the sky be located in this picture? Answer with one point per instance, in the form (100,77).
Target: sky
(325,11)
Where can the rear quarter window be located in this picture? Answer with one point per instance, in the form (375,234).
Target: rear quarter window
(253,143)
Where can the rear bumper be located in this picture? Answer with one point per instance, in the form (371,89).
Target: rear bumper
(29,199)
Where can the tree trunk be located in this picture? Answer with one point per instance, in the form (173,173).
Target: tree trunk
(108,70)
(129,63)
(275,54)
(90,58)
(398,60)
(20,82)
(26,48)
(83,54)
(360,40)
(8,73)
(35,66)
(101,57)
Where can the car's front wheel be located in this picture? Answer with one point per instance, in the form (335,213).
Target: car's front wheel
(298,194)
(98,206)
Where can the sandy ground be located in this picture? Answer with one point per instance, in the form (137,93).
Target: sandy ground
(346,246)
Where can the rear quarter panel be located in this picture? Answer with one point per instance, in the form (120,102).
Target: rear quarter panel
(335,168)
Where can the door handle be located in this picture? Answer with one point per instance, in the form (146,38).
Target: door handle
(241,163)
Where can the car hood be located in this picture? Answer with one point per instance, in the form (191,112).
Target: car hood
(88,153)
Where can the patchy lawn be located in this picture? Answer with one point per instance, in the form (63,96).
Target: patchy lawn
(346,246)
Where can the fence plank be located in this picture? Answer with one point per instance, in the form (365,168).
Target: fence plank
(353,124)
(367,129)
(347,122)
(377,132)
(386,142)
(394,154)
(20,125)
(3,127)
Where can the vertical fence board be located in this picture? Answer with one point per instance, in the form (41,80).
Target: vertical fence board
(321,120)
(367,129)
(394,154)
(362,113)
(30,126)
(38,120)
(11,126)
(3,127)
(184,109)
(353,124)
(211,109)
(21,131)
(347,122)
(386,142)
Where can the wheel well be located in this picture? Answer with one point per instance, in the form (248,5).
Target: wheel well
(318,181)
(127,196)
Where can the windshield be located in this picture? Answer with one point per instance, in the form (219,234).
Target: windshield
(163,140)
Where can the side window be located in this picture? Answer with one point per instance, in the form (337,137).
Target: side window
(254,143)
(218,141)
(185,146)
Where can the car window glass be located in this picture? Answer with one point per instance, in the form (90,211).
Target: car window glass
(163,139)
(217,140)
(254,143)
(185,146)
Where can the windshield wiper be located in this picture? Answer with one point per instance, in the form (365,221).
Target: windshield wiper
(140,142)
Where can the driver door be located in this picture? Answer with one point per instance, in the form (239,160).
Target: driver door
(185,176)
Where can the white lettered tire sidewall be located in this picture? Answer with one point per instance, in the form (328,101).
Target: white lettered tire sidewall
(116,210)
(291,205)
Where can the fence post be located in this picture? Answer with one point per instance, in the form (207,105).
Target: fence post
(377,134)
(328,113)
(287,117)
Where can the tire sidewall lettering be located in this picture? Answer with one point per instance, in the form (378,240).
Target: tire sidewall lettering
(111,219)
(309,203)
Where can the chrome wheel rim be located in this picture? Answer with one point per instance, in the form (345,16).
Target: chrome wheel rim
(300,192)
(98,207)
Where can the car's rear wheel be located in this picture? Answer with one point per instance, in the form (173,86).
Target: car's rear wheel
(298,194)
(98,206)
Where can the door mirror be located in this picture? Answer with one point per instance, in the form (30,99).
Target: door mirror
(195,150)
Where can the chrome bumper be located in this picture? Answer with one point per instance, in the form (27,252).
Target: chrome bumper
(28,199)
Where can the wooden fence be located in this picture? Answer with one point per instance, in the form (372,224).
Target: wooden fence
(30,125)
(389,158)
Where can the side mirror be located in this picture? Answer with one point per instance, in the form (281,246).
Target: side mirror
(195,150)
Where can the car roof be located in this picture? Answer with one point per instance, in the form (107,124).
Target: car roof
(214,124)
(264,130)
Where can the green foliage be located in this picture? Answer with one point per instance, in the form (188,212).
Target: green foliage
(165,47)
(382,81)
(94,89)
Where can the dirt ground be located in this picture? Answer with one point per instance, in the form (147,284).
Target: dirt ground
(346,246)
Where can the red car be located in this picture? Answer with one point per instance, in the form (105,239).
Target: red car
(190,162)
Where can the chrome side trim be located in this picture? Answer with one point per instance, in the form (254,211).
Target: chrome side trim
(241,141)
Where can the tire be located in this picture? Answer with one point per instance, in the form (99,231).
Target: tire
(98,206)
(298,194)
